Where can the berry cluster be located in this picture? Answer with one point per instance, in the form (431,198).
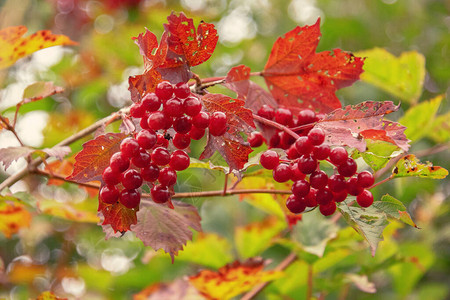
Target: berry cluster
(146,157)
(312,186)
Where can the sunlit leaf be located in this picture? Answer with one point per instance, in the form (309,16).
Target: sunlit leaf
(118,216)
(401,76)
(24,271)
(180,289)
(39,90)
(49,296)
(440,129)
(410,166)
(394,208)
(362,283)
(12,154)
(13,216)
(68,211)
(378,153)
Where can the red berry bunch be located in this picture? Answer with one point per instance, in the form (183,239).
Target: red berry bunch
(145,157)
(312,186)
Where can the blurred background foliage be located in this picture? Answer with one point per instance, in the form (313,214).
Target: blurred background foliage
(68,254)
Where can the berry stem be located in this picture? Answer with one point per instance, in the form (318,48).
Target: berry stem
(381,181)
(275,125)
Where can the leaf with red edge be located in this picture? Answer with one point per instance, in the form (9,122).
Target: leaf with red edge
(193,46)
(94,158)
(232,279)
(38,91)
(161,227)
(15,46)
(347,126)
(299,77)
(11,154)
(118,216)
(147,43)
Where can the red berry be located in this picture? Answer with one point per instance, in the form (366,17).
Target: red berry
(337,183)
(218,123)
(130,198)
(150,173)
(179,160)
(274,141)
(318,179)
(143,123)
(158,120)
(296,174)
(338,155)
(269,160)
(146,139)
(181,90)
(196,133)
(255,139)
(173,107)
(137,110)
(181,141)
(182,124)
(129,147)
(142,159)
(303,145)
(292,152)
(282,173)
(160,194)
(161,141)
(201,120)
(286,140)
(295,205)
(267,112)
(307,164)
(328,209)
(164,90)
(109,176)
(300,188)
(306,116)
(365,179)
(340,196)
(310,199)
(324,196)
(192,106)
(151,102)
(119,162)
(353,188)
(160,156)
(131,179)
(316,136)
(365,199)
(283,116)
(321,152)
(348,167)
(167,176)
(109,194)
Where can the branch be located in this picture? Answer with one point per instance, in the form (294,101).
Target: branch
(11,128)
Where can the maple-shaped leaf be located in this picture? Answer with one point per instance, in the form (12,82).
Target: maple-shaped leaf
(410,166)
(94,158)
(10,154)
(119,217)
(299,77)
(351,124)
(161,227)
(194,46)
(13,217)
(15,46)
(232,279)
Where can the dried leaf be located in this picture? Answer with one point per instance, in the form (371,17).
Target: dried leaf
(11,154)
(58,152)
(13,217)
(15,46)
(410,166)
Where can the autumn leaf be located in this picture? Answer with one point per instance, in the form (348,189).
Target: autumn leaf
(68,211)
(94,158)
(11,154)
(232,279)
(299,77)
(24,271)
(410,166)
(15,46)
(161,227)
(194,46)
(13,217)
(4,123)
(180,289)
(394,208)
(38,91)
(118,216)
(49,296)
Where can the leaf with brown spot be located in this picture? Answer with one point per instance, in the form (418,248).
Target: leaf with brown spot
(299,77)
(94,158)
(410,166)
(13,217)
(15,46)
(119,217)
(232,279)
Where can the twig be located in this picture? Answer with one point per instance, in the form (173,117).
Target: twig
(11,128)
(310,282)
(283,265)
(225,185)
(275,125)
(382,181)
(433,150)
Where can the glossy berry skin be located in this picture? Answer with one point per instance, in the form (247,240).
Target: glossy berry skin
(292,152)
(303,145)
(348,167)
(181,141)
(365,199)
(306,116)
(150,173)
(295,204)
(286,140)
(324,196)
(129,147)
(158,120)
(316,136)
(109,194)
(321,152)
(307,164)
(167,177)
(310,199)
(142,159)
(282,173)
(160,156)
(300,188)
(179,160)
(161,141)
(181,90)
(296,174)
(119,162)
(143,123)
(173,107)
(111,177)
(146,139)
(196,133)
(164,90)
(132,179)
(274,141)
(137,110)
(283,116)
(255,139)
(318,179)
(267,112)
(192,106)
(182,124)
(337,183)
(338,155)
(328,209)
(340,196)
(130,198)
(218,123)
(353,188)
(269,160)
(201,120)
(151,102)
(365,179)
(160,194)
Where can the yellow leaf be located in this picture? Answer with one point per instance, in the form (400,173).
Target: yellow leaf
(13,217)
(14,46)
(49,296)
(68,211)
(24,272)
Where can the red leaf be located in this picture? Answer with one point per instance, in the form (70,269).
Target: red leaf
(345,126)
(139,85)
(195,46)
(118,216)
(391,132)
(94,158)
(299,77)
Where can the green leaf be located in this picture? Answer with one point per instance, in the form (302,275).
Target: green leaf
(314,232)
(39,90)
(378,153)
(401,76)
(440,129)
(253,239)
(418,119)
(410,166)
(369,222)
(393,208)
